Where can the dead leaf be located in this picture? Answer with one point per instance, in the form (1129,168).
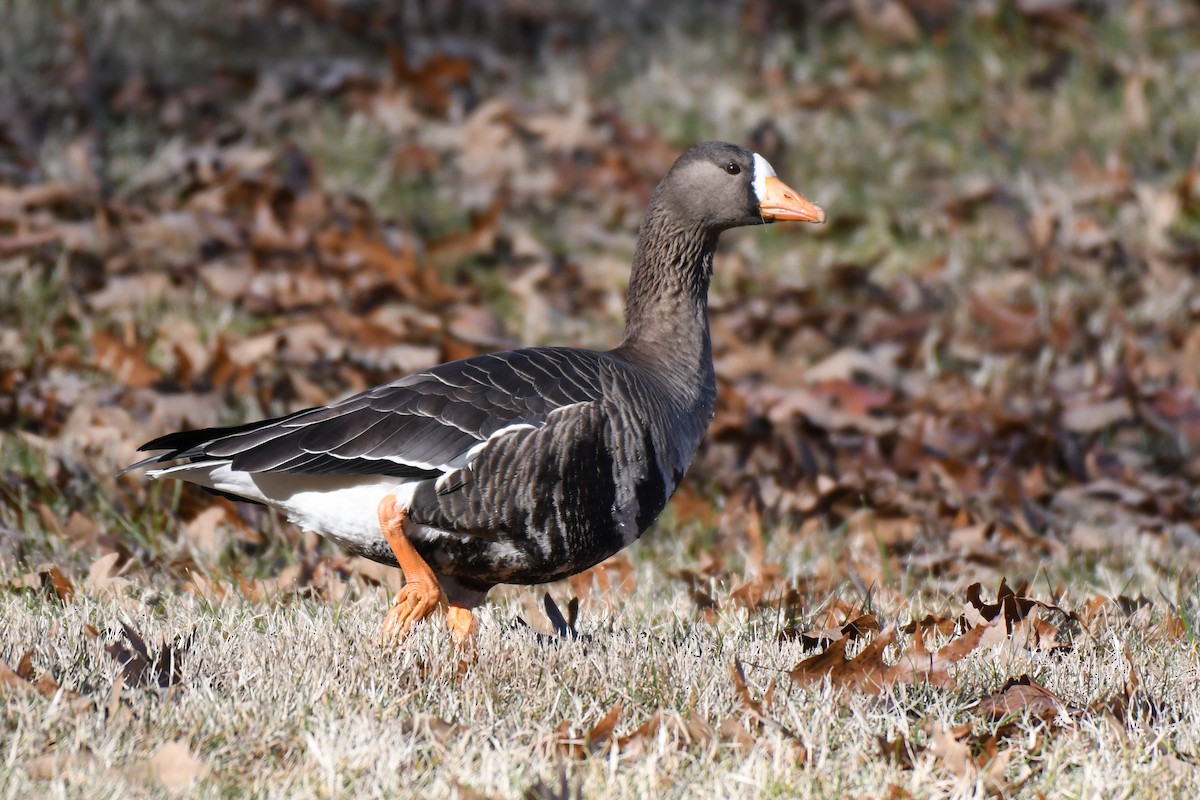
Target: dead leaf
(642,735)
(206,532)
(852,630)
(887,19)
(743,692)
(566,132)
(947,744)
(865,671)
(140,668)
(12,245)
(10,679)
(100,575)
(175,767)
(1019,695)
(598,739)
(1011,606)
(732,729)
(22,680)
(868,671)
(130,291)
(918,665)
(1012,328)
(602,731)
(125,363)
(883,530)
(56,765)
(46,576)
(1093,417)
(114,707)
(877,363)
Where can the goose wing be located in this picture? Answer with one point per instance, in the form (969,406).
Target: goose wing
(423,425)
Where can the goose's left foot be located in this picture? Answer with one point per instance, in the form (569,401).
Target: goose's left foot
(421,593)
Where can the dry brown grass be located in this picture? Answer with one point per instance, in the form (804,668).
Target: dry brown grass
(292,698)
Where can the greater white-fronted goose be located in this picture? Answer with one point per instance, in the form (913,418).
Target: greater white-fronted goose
(518,467)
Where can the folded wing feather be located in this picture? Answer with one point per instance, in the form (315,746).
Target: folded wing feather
(421,426)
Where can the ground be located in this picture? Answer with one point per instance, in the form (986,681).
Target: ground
(942,539)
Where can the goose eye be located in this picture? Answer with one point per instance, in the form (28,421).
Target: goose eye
(732,168)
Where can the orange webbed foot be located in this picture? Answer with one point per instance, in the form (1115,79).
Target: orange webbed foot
(462,625)
(414,602)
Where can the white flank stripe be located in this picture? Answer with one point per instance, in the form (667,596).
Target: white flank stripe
(341,507)
(762,171)
(469,456)
(408,462)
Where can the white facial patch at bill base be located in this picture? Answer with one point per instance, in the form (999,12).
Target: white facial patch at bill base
(762,171)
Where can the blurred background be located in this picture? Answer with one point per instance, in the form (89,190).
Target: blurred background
(988,358)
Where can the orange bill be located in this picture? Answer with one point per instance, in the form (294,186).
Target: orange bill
(781,202)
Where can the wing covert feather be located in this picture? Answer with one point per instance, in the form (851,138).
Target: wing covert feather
(422,424)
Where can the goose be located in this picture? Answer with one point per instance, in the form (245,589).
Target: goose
(517,467)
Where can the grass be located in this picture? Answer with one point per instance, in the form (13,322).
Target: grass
(293,698)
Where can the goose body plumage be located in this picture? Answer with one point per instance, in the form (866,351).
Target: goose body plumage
(523,466)
(517,467)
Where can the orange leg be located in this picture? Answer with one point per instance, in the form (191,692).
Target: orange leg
(421,593)
(461,600)
(461,623)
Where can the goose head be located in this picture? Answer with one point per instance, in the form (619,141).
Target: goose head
(721,185)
